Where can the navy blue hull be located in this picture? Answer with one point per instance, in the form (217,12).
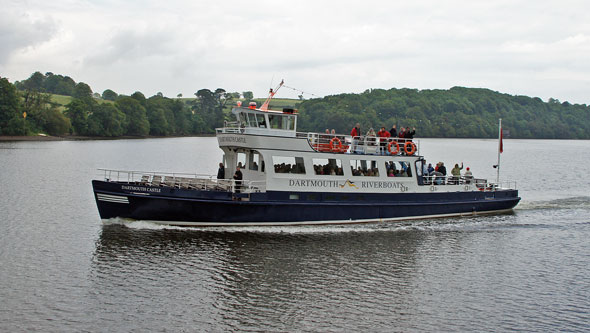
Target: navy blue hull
(186,207)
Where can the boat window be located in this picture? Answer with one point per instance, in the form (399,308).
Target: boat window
(364,168)
(323,166)
(250,119)
(288,164)
(400,169)
(290,123)
(254,161)
(261,121)
(275,121)
(241,160)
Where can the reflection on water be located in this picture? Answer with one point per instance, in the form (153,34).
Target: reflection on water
(324,278)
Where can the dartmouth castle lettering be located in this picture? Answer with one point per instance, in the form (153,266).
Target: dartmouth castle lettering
(232,139)
(140,189)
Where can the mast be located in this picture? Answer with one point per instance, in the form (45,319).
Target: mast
(271,94)
(500,149)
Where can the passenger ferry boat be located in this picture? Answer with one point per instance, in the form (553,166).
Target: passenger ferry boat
(294,178)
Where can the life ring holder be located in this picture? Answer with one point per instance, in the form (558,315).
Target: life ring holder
(335,144)
(396,148)
(410,148)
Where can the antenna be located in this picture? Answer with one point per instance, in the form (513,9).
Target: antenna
(271,94)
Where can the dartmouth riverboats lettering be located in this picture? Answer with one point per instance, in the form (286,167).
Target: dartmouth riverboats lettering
(232,139)
(347,183)
(140,189)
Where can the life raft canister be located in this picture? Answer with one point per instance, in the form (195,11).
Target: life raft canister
(335,145)
(391,151)
(410,148)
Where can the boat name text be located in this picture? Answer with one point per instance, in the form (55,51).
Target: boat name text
(233,139)
(347,183)
(140,189)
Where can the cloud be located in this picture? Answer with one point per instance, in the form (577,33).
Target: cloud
(22,31)
(325,47)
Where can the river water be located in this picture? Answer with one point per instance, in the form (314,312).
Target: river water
(63,269)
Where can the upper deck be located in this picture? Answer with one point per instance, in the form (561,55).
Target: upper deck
(260,129)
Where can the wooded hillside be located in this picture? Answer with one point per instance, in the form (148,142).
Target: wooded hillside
(457,112)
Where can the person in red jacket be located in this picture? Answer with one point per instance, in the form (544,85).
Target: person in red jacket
(383,134)
(355,133)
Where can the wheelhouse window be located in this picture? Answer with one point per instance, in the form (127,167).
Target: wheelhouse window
(399,169)
(282,122)
(332,166)
(255,120)
(288,164)
(367,168)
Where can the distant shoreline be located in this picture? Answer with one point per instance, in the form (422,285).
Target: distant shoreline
(84,138)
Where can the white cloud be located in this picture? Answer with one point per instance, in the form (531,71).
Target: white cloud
(537,48)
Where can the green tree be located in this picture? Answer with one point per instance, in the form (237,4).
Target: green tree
(35,82)
(78,111)
(248,96)
(109,95)
(55,122)
(137,123)
(9,105)
(106,120)
(82,90)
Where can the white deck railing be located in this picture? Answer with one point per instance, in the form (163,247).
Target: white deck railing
(182,180)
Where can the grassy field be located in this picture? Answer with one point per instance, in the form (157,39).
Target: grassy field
(63,100)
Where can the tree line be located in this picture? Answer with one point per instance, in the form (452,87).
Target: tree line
(26,108)
(457,112)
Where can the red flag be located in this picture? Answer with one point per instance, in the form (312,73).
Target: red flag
(501,144)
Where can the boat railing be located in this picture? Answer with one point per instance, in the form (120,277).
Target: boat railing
(183,181)
(479,183)
(370,145)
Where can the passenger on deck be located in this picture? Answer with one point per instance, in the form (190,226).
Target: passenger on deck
(221,171)
(238,178)
(401,134)
(333,132)
(442,170)
(409,135)
(468,176)
(456,172)
(383,136)
(430,168)
(371,137)
(393,132)
(355,133)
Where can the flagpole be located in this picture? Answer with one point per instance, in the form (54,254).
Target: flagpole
(500,149)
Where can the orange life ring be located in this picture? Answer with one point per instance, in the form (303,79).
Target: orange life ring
(335,144)
(410,148)
(394,152)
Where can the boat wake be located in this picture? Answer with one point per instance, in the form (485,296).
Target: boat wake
(432,225)
(579,202)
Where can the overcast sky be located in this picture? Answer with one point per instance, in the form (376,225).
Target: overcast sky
(534,47)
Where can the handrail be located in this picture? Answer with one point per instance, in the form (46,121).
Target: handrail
(183,180)
(479,183)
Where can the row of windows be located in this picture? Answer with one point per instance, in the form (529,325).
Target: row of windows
(333,167)
(324,166)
